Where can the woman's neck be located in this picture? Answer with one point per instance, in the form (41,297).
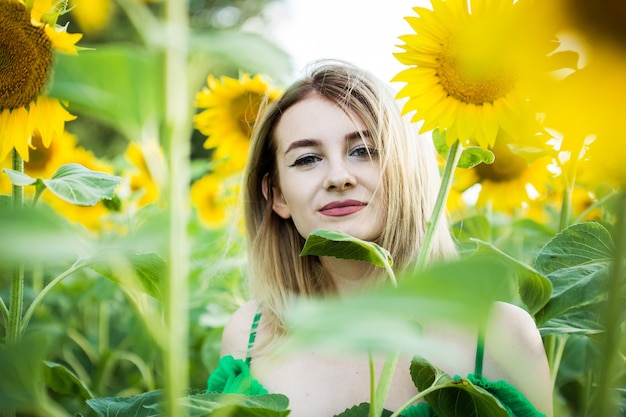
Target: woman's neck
(349,276)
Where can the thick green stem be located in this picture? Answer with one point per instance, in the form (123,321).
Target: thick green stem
(178,132)
(446,182)
(372,412)
(382,389)
(16,300)
(612,317)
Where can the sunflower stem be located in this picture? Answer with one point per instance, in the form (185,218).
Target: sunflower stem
(16,300)
(568,191)
(177,137)
(612,317)
(446,182)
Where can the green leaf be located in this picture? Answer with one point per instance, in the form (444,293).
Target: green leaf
(127,96)
(361,410)
(218,405)
(63,381)
(475,155)
(19,178)
(439,140)
(81,186)
(139,271)
(534,288)
(470,156)
(461,291)
(149,404)
(577,262)
(21,383)
(37,232)
(340,245)
(579,322)
(472,227)
(579,244)
(454,397)
(126,406)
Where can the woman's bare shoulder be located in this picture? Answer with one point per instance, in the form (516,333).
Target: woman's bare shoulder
(515,344)
(237,330)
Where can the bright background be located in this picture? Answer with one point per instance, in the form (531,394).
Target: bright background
(363,32)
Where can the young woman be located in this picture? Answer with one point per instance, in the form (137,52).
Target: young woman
(334,153)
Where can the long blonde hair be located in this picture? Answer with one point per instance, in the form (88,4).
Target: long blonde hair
(410,179)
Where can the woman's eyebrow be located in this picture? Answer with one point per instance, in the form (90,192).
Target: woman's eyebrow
(359,134)
(302,143)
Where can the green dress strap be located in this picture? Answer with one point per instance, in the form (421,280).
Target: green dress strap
(252,337)
(480,353)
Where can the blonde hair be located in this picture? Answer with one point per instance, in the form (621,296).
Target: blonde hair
(410,180)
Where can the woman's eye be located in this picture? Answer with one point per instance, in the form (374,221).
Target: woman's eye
(363,151)
(305,160)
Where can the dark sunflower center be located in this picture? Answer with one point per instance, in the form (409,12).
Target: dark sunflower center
(25,56)
(473,76)
(246,110)
(507,166)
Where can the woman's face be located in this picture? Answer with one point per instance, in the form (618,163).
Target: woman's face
(329,171)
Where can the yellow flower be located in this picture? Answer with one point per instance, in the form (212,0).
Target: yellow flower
(587,110)
(147,173)
(214,198)
(45,161)
(231,110)
(510,183)
(28,41)
(471,65)
(92,16)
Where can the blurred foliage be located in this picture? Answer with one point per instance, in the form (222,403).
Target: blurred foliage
(97,335)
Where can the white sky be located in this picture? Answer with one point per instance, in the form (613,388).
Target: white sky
(364,32)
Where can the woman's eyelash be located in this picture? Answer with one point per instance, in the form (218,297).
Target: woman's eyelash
(305,160)
(364,151)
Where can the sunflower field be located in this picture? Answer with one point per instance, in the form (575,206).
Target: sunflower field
(124,130)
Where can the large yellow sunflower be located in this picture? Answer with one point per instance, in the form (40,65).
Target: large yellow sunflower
(510,183)
(29,36)
(471,66)
(231,109)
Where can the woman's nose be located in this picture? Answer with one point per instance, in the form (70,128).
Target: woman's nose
(339,177)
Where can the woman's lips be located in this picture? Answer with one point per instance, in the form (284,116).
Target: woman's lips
(342,208)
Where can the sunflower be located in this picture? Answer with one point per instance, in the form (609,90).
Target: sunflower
(92,16)
(510,183)
(45,161)
(471,67)
(587,111)
(214,198)
(29,36)
(231,110)
(147,172)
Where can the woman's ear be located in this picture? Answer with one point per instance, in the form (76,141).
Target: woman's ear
(273,194)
